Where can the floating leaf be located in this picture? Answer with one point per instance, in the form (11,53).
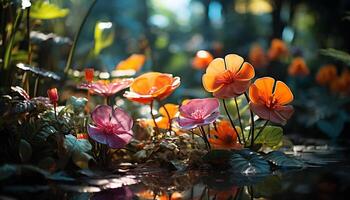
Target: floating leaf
(337,55)
(281,160)
(271,136)
(38,71)
(102,39)
(243,161)
(24,150)
(46,10)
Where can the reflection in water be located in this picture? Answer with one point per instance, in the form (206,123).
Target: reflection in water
(326,178)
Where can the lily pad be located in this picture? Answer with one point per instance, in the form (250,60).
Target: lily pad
(243,161)
(281,160)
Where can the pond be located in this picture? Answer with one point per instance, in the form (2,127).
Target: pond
(325,177)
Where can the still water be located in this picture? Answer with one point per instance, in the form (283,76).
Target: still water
(326,177)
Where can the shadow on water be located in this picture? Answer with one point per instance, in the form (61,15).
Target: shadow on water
(326,177)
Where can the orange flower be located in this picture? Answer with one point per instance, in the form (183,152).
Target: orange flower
(257,56)
(162,121)
(298,67)
(202,59)
(225,137)
(269,99)
(152,86)
(228,78)
(277,49)
(326,74)
(341,84)
(134,62)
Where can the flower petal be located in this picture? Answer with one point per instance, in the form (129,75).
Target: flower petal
(187,123)
(282,93)
(172,109)
(261,110)
(97,134)
(210,119)
(264,87)
(216,66)
(232,90)
(119,140)
(101,115)
(121,119)
(281,114)
(210,83)
(233,62)
(144,99)
(246,72)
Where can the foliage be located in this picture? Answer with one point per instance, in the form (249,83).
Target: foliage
(46,10)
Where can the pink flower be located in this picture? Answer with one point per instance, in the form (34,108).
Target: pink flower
(107,89)
(111,126)
(198,112)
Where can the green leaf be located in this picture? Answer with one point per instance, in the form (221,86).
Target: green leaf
(281,160)
(102,38)
(77,103)
(271,136)
(46,10)
(337,55)
(73,144)
(244,161)
(24,150)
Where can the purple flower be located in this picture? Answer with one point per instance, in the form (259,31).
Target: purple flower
(105,88)
(110,126)
(198,112)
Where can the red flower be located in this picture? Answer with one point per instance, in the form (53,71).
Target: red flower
(89,74)
(53,95)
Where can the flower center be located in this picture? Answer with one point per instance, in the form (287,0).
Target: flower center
(197,114)
(226,77)
(272,102)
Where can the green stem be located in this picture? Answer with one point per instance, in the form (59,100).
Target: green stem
(231,121)
(240,120)
(251,132)
(169,118)
(7,57)
(261,130)
(205,137)
(154,119)
(76,37)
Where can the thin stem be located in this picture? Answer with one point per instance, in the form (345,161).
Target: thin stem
(261,129)
(205,137)
(231,121)
(7,57)
(251,132)
(55,110)
(29,61)
(169,118)
(36,86)
(76,37)
(240,120)
(154,119)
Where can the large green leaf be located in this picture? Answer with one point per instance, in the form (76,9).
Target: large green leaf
(243,161)
(281,160)
(271,136)
(46,10)
(103,36)
(73,144)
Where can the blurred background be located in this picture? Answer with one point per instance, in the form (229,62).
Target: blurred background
(170,33)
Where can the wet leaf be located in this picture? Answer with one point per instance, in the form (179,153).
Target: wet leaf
(46,10)
(243,161)
(23,107)
(24,150)
(281,160)
(271,136)
(38,71)
(77,103)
